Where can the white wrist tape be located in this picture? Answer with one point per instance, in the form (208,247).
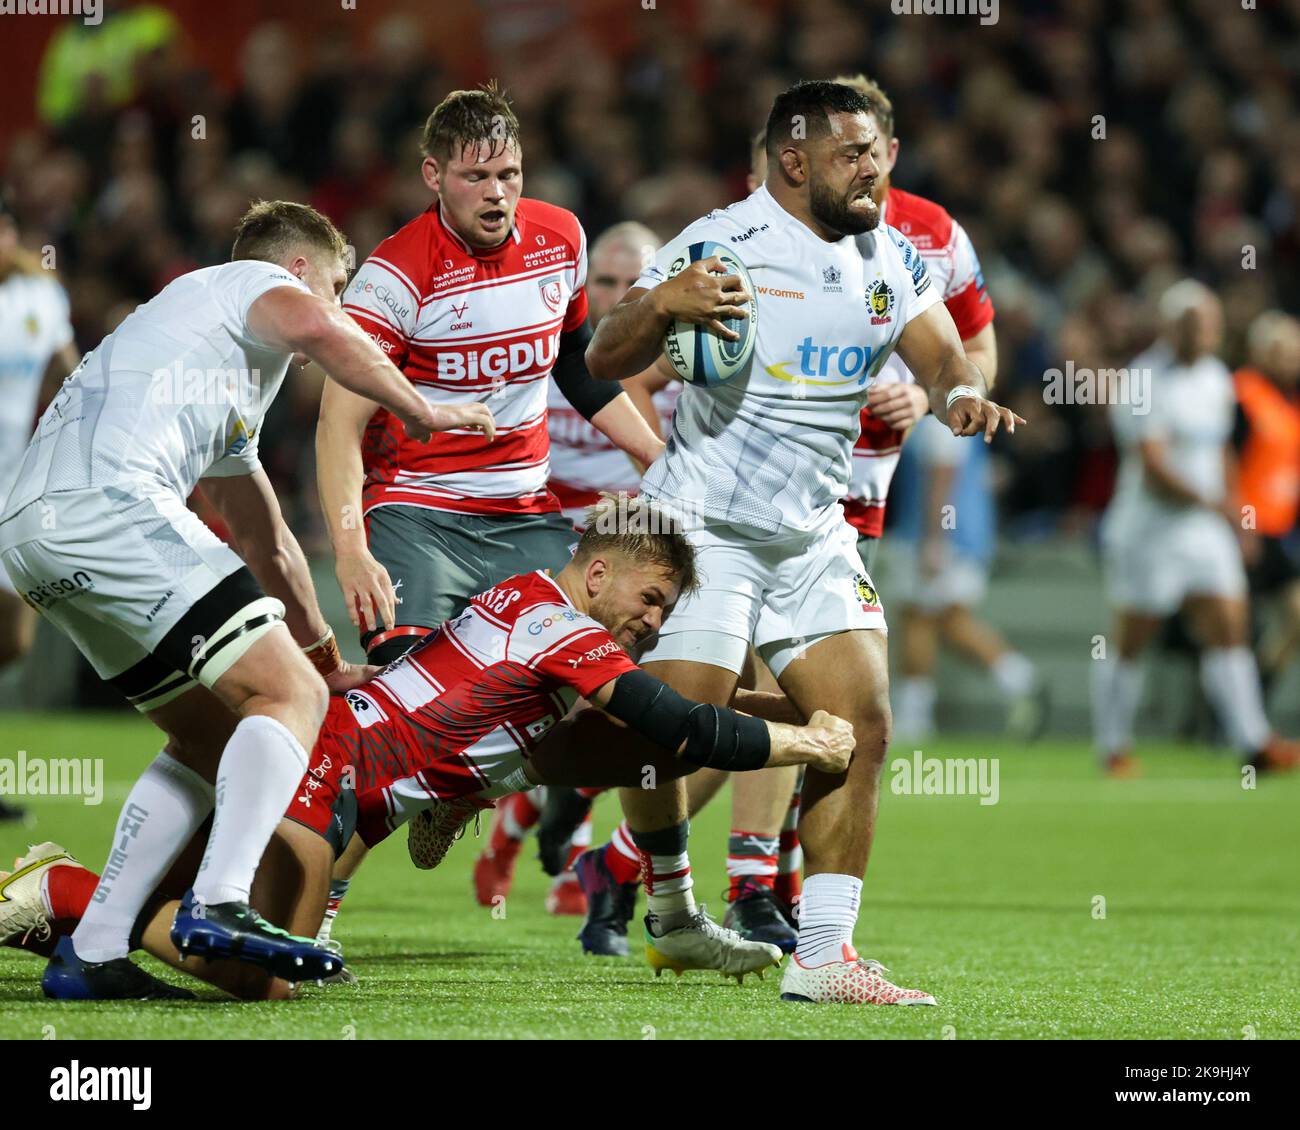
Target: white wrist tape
(959,392)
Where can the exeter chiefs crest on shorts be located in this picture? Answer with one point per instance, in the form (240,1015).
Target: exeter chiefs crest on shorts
(866,593)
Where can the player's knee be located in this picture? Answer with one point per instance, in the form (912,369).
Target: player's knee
(872,730)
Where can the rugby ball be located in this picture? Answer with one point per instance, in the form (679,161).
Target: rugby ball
(698,354)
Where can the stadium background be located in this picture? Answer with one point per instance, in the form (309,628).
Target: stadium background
(1076,907)
(631,113)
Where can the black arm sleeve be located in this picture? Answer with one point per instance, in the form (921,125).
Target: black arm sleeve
(714,737)
(579,387)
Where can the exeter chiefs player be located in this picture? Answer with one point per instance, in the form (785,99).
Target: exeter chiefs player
(36,353)
(1168,537)
(758,466)
(97,536)
(474,712)
(764,857)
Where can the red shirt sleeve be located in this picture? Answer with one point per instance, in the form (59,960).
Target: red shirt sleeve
(576,315)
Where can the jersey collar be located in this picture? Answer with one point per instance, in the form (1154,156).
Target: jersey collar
(551,581)
(514,237)
(768,202)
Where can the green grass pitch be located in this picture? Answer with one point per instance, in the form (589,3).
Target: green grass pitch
(992,908)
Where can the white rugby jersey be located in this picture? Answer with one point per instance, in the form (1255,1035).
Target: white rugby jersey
(770,449)
(177,392)
(1193,409)
(34,326)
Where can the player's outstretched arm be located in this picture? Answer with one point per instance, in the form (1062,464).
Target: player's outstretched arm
(715,737)
(930,347)
(630,336)
(287,318)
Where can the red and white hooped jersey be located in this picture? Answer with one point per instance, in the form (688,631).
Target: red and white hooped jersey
(585,462)
(467,324)
(459,714)
(952,263)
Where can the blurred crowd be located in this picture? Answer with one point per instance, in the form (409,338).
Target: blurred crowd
(1094,150)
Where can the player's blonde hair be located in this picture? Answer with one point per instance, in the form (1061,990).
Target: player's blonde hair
(638,529)
(881,106)
(272,229)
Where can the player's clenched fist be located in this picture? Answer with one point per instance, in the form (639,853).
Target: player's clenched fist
(704,295)
(830,741)
(970,415)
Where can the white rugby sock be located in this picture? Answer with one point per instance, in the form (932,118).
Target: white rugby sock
(1231,682)
(914,710)
(260,768)
(1116,695)
(828,912)
(162,812)
(1014,674)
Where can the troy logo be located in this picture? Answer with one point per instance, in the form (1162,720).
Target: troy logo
(551,293)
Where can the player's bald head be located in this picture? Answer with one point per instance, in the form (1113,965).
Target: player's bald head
(616,261)
(1273,344)
(1191,318)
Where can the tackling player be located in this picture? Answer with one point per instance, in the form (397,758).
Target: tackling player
(474,712)
(97,537)
(584,464)
(36,352)
(757,466)
(1168,536)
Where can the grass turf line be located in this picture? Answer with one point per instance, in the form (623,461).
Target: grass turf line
(991,908)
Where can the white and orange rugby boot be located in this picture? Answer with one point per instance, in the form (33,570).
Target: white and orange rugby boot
(852,980)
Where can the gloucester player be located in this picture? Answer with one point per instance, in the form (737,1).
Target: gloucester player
(478,709)
(480,297)
(584,464)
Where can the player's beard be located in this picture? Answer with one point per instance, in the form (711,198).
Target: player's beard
(834,212)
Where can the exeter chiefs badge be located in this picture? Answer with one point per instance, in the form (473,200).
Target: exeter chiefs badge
(866,593)
(551,293)
(881,300)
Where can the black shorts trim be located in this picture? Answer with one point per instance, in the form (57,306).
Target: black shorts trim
(150,678)
(206,616)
